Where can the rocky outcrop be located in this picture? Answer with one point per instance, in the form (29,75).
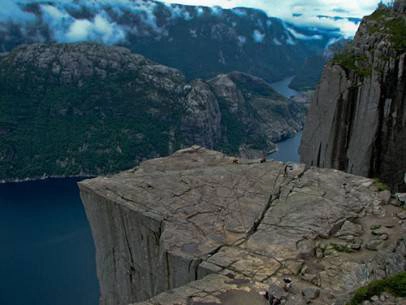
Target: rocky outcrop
(257,106)
(88,109)
(357,121)
(222,230)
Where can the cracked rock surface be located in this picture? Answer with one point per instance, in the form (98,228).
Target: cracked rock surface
(219,230)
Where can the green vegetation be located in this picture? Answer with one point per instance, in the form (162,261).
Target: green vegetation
(388,22)
(397,31)
(381,13)
(237,133)
(82,123)
(375,227)
(381,186)
(234,132)
(396,285)
(259,101)
(341,248)
(351,62)
(102,127)
(384,20)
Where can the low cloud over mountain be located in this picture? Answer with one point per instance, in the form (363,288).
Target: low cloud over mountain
(304,13)
(201,41)
(328,14)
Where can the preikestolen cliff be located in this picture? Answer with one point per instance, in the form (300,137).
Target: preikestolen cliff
(222,152)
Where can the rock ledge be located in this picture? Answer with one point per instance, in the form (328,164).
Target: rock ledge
(220,231)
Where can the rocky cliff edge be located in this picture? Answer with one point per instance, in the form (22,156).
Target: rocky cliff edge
(220,230)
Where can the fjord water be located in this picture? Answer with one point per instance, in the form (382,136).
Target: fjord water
(47,255)
(288,150)
(282,87)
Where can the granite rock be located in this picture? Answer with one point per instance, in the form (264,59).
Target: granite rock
(199,215)
(357,120)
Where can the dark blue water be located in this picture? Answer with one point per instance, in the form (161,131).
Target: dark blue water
(288,150)
(47,255)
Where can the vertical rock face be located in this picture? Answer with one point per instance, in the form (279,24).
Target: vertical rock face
(357,119)
(220,231)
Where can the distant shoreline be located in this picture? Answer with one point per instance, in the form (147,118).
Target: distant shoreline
(45,177)
(87,176)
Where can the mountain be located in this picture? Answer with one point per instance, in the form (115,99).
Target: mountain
(79,109)
(357,121)
(200,41)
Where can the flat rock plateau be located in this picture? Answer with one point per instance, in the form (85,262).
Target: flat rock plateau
(199,227)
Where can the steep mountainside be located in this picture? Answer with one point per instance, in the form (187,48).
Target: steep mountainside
(73,109)
(357,121)
(200,41)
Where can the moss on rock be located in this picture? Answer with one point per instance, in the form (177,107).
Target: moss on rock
(395,285)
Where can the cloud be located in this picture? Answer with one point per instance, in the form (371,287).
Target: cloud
(258,36)
(242,40)
(177,11)
(66,28)
(79,30)
(66,25)
(52,12)
(106,21)
(302,12)
(89,20)
(301,36)
(216,10)
(290,41)
(11,11)
(240,11)
(100,29)
(276,42)
(199,11)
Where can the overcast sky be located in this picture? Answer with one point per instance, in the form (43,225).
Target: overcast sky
(309,9)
